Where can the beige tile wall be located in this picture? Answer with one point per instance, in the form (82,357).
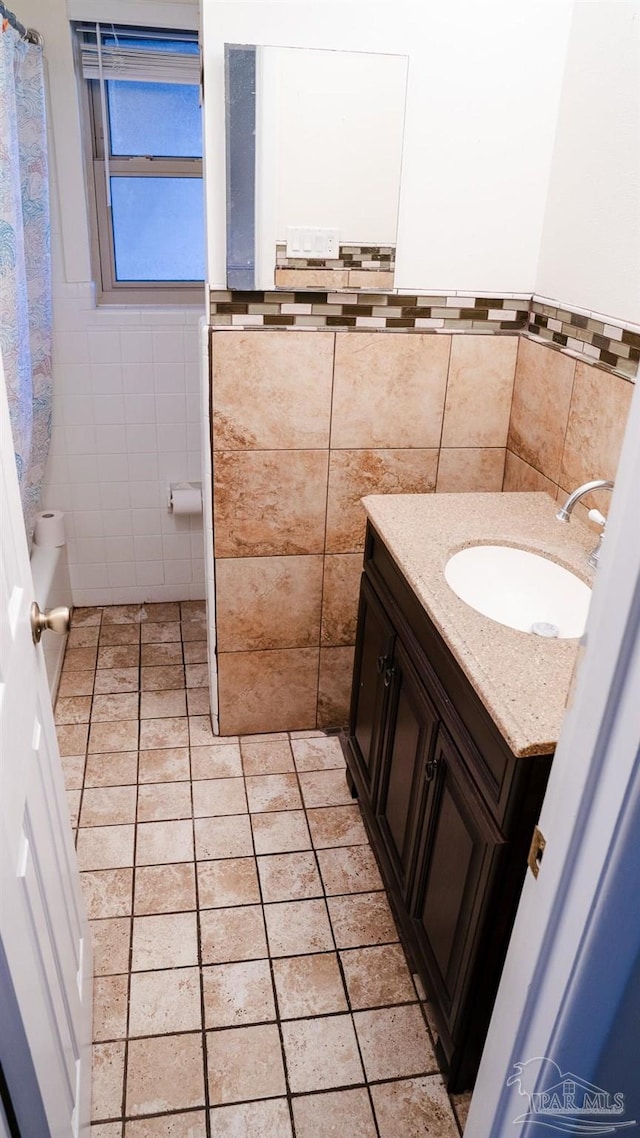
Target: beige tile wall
(567,424)
(305,424)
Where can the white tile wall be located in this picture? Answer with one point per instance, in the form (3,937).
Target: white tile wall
(126,423)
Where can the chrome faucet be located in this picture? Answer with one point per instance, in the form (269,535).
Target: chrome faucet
(565,512)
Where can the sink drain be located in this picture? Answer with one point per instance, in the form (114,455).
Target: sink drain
(542,628)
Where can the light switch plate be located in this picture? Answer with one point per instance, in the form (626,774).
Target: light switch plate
(312,242)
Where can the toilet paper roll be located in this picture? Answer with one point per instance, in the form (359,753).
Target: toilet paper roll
(49,529)
(186,500)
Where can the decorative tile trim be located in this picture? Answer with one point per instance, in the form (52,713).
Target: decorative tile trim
(373,258)
(587,336)
(590,338)
(368,311)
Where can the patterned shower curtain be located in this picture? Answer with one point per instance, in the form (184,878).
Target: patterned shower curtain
(25,261)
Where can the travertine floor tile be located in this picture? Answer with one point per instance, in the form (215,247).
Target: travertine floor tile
(110,939)
(218,796)
(289,877)
(105,847)
(309,985)
(114,708)
(170,732)
(160,655)
(413,1108)
(107,1079)
(273,792)
(274,757)
(296,927)
(168,764)
(232,934)
(321,1053)
(162,801)
(119,769)
(223,837)
(228,883)
(377,976)
(361,919)
(80,659)
(325,788)
(349,869)
(334,1113)
(217,761)
(200,731)
(113,736)
(394,1043)
(162,677)
(196,675)
(165,888)
(337,826)
(190,1125)
(72,738)
(245,1063)
(238,993)
(164,1073)
(318,754)
(160,633)
(159,843)
(195,651)
(114,680)
(113,635)
(167,940)
(163,704)
(108,806)
(83,637)
(76,683)
(119,656)
(73,771)
(110,1007)
(165,1001)
(198,701)
(164,610)
(73,806)
(266,1119)
(280,832)
(107,892)
(73,709)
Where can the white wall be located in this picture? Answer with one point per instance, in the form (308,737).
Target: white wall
(590,253)
(125,380)
(483,91)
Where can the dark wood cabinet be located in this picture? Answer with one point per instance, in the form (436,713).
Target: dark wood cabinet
(449,808)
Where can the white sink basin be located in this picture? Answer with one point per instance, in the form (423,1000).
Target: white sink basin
(520,589)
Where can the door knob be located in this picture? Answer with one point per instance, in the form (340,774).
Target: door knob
(56,620)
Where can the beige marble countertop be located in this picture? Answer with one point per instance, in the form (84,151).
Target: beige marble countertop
(523,680)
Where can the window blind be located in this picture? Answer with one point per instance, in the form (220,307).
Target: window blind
(139,57)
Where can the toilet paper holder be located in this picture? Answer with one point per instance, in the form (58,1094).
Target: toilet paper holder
(189,487)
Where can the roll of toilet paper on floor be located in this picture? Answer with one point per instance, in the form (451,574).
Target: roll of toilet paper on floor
(49,529)
(186,500)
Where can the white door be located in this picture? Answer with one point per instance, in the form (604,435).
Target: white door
(43,925)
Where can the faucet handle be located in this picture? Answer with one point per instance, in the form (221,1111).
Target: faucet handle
(597,517)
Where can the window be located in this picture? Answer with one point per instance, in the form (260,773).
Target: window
(145,127)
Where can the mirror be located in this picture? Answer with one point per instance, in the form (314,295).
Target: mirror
(314,151)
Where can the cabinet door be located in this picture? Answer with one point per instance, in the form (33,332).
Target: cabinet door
(373,659)
(408,747)
(460,854)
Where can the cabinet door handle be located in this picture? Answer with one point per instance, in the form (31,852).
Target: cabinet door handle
(388,676)
(382,662)
(431,769)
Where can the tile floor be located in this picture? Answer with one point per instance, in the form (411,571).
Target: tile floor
(249,979)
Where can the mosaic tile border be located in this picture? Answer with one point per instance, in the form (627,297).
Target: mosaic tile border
(368,311)
(374,258)
(589,337)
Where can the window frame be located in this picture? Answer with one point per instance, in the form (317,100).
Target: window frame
(109,290)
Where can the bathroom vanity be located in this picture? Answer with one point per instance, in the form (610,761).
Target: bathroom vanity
(453,724)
